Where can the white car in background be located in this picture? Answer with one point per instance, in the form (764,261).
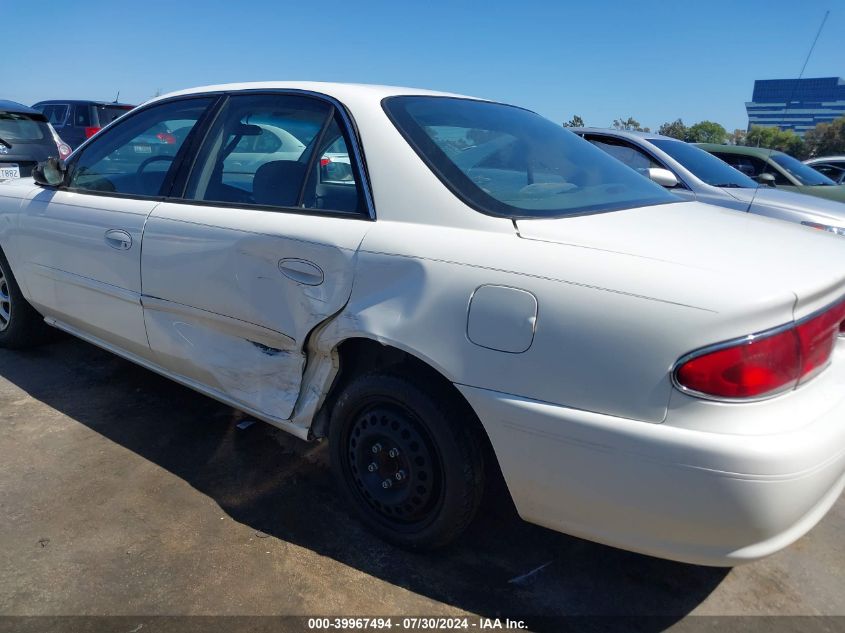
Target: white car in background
(487,291)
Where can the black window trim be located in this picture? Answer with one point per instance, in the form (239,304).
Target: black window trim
(177,178)
(644,150)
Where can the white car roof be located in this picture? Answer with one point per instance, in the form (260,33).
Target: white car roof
(340,91)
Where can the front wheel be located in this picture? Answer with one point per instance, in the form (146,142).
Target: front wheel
(20,325)
(407,460)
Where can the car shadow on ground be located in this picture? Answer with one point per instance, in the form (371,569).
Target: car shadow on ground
(282,486)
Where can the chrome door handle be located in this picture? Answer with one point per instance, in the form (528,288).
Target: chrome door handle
(118,239)
(301,271)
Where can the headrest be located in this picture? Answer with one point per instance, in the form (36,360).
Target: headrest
(278,183)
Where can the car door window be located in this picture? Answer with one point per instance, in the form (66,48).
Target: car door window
(258,150)
(753,166)
(285,151)
(831,171)
(627,153)
(135,156)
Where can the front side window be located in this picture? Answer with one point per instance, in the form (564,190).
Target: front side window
(704,165)
(831,171)
(804,174)
(624,152)
(135,156)
(274,150)
(753,167)
(510,162)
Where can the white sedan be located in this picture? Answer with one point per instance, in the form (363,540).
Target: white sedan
(487,290)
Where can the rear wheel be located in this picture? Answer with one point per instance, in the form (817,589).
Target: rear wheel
(406,459)
(20,325)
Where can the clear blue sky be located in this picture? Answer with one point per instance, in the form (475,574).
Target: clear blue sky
(652,60)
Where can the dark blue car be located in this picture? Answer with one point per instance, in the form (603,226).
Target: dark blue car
(76,121)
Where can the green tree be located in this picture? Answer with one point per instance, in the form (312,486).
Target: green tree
(775,138)
(575,121)
(738,137)
(826,139)
(675,129)
(706,132)
(630,124)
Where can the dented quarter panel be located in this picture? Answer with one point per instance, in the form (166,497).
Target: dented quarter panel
(413,288)
(218,308)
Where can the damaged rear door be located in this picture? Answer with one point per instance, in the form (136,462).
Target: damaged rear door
(255,253)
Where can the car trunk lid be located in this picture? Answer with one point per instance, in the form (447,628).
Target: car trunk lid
(743,251)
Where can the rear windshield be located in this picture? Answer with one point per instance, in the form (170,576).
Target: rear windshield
(20,127)
(108,113)
(714,171)
(804,174)
(510,162)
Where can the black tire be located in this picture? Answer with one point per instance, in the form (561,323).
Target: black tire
(20,325)
(438,454)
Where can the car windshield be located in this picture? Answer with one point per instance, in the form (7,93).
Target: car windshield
(506,161)
(15,126)
(704,165)
(805,174)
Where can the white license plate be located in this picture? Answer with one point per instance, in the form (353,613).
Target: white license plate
(143,149)
(9,171)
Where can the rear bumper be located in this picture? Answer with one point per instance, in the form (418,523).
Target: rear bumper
(679,493)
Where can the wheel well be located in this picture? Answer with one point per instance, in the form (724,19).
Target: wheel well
(358,356)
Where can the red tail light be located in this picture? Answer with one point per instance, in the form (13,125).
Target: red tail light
(91,131)
(166,137)
(765,364)
(325,160)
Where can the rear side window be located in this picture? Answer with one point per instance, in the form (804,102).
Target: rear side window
(82,115)
(135,156)
(273,150)
(108,113)
(510,162)
(19,127)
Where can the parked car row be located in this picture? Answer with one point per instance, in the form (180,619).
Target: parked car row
(692,173)
(471,287)
(78,120)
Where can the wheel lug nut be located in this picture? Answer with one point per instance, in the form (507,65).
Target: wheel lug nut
(376,448)
(400,475)
(372,467)
(394,452)
(386,484)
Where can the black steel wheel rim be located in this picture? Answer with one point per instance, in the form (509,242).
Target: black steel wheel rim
(393,464)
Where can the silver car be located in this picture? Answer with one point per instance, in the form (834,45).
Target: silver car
(692,173)
(831,166)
